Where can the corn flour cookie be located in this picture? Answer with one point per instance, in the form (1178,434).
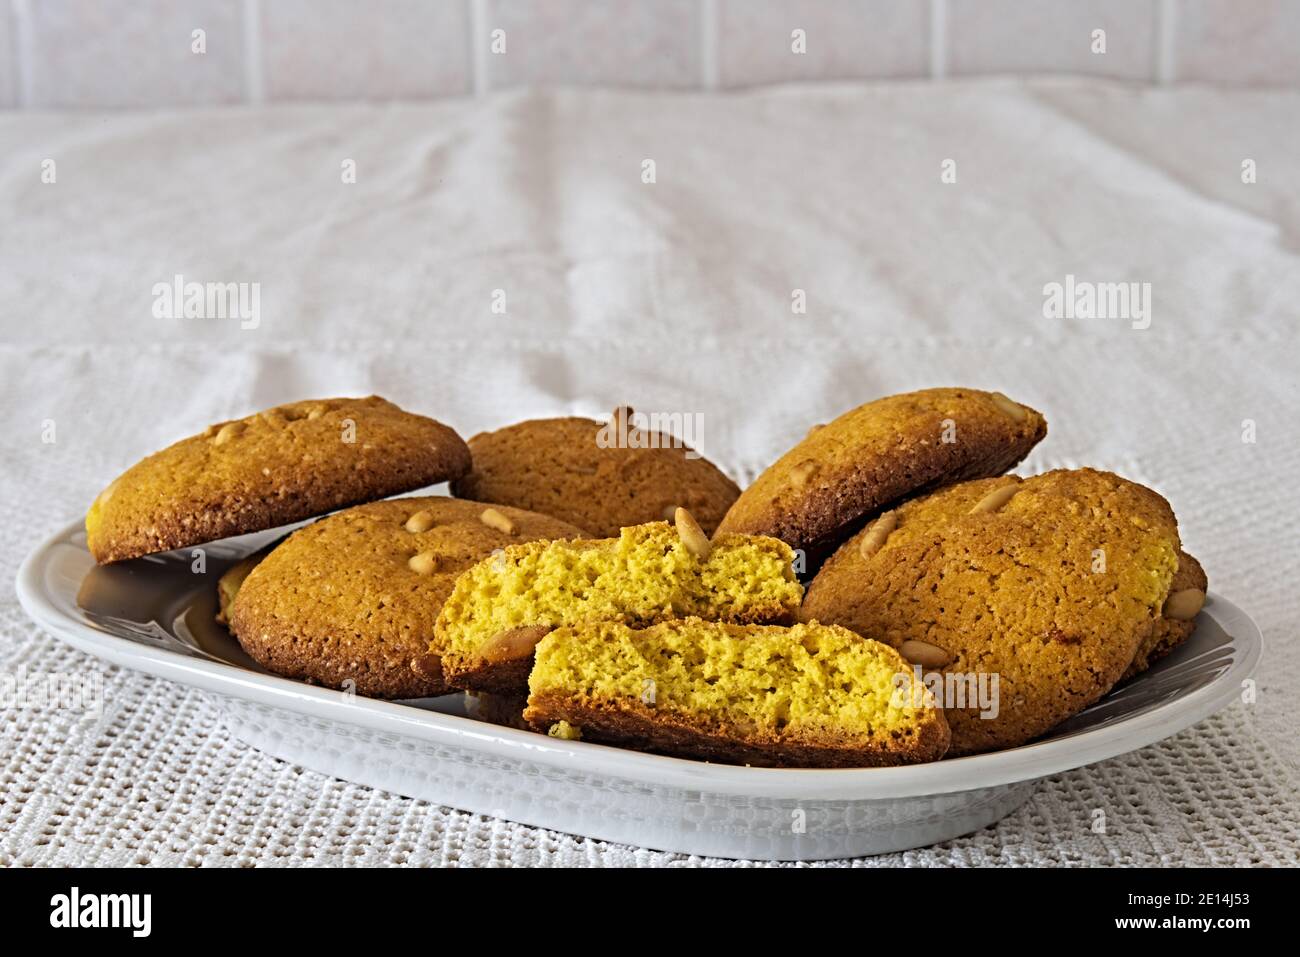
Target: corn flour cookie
(354,596)
(602,476)
(269,469)
(868,458)
(503,606)
(1177,616)
(1051,584)
(806,696)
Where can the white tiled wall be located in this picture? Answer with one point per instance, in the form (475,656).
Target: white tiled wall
(1240,41)
(842,39)
(8,60)
(1053,36)
(334,49)
(135,53)
(614,42)
(131,53)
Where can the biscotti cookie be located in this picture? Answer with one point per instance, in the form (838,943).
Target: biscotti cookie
(1047,585)
(1177,616)
(600,476)
(818,492)
(503,606)
(805,696)
(269,469)
(354,597)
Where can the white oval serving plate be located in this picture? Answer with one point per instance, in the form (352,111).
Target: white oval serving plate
(154,615)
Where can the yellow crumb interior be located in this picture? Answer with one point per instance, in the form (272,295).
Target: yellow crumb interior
(95,514)
(1152,573)
(645,575)
(231,581)
(565,731)
(809,680)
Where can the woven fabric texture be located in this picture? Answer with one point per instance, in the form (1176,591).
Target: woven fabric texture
(674,294)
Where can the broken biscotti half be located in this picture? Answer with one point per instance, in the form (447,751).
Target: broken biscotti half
(810,695)
(501,607)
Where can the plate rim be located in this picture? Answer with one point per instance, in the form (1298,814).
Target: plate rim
(999,768)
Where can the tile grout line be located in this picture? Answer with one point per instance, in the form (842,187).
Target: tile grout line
(478,46)
(709,44)
(254,80)
(22,44)
(938,39)
(1166,27)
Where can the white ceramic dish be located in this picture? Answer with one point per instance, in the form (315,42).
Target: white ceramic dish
(154,615)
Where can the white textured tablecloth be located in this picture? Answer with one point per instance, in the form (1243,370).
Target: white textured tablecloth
(672,295)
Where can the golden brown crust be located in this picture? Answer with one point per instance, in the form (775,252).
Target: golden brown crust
(339,602)
(273,468)
(877,454)
(504,678)
(560,467)
(633,724)
(1169,633)
(1053,592)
